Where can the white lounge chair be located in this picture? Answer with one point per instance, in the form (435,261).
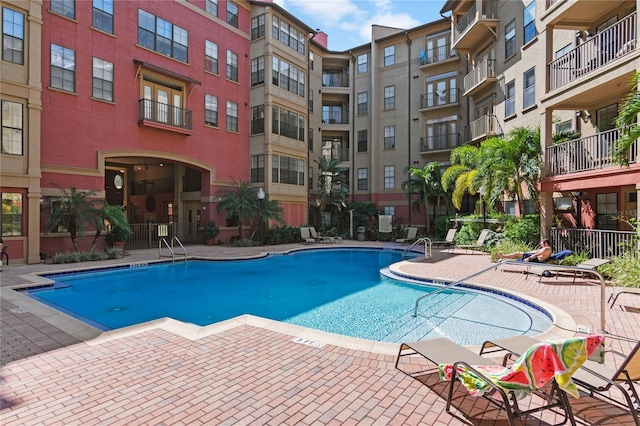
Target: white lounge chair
(479,243)
(412,231)
(305,234)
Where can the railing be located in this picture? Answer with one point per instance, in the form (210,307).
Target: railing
(439,142)
(157,112)
(484,71)
(145,235)
(171,248)
(437,54)
(587,153)
(487,125)
(438,99)
(489,10)
(427,247)
(616,41)
(599,243)
(335,79)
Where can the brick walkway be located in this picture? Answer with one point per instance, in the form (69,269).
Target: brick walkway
(56,371)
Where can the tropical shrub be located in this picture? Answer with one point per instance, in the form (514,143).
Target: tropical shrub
(281,235)
(525,229)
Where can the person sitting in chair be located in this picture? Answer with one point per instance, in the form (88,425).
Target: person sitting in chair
(539,256)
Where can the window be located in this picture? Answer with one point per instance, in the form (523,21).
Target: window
(162,36)
(564,127)
(362,140)
(257,168)
(441,90)
(530,22)
(12,127)
(389,137)
(257,119)
(11,214)
(211,6)
(232,116)
(102,80)
(363,63)
(281,30)
(389,97)
(63,68)
(441,135)
(510,101)
(257,27)
(510,39)
(287,170)
(232,14)
(232,66)
(310,99)
(287,76)
(362,103)
(363,177)
(64,7)
(438,49)
(509,207)
(287,123)
(606,211)
(529,93)
(560,53)
(311,60)
(211,110)
(257,71)
(390,210)
(389,177)
(103,15)
(389,55)
(606,117)
(310,138)
(12,36)
(335,148)
(211,56)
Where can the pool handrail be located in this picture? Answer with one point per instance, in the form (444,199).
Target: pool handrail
(170,247)
(425,240)
(568,268)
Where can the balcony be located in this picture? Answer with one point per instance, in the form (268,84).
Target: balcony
(335,79)
(602,49)
(439,99)
(584,154)
(596,242)
(437,55)
(333,114)
(480,77)
(484,127)
(475,26)
(164,116)
(444,142)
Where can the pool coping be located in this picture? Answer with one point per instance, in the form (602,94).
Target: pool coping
(563,324)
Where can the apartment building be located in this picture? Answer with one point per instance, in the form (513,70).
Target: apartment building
(563,66)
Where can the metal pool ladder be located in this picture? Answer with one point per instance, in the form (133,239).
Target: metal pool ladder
(427,247)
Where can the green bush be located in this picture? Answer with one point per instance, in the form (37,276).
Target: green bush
(525,229)
(281,235)
(113,252)
(84,256)
(441,226)
(624,270)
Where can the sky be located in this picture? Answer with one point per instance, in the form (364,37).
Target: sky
(348,22)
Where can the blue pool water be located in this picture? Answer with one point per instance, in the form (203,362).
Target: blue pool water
(339,290)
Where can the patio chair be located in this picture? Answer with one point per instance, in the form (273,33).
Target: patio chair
(541,364)
(321,238)
(594,377)
(548,270)
(479,243)
(305,234)
(617,291)
(412,232)
(448,240)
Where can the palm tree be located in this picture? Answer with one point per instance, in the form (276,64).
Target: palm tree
(426,182)
(269,210)
(459,177)
(110,214)
(72,211)
(627,123)
(239,200)
(506,165)
(332,188)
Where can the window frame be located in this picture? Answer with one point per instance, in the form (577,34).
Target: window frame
(510,99)
(211,110)
(231,122)
(510,39)
(363,63)
(105,77)
(13,35)
(389,55)
(390,137)
(60,70)
(12,220)
(232,66)
(389,98)
(363,179)
(102,9)
(168,38)
(211,56)
(211,7)
(529,88)
(529,22)
(7,117)
(389,177)
(258,27)
(232,15)
(65,8)
(363,140)
(363,103)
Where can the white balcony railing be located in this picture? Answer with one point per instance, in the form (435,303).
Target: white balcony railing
(587,153)
(480,74)
(618,40)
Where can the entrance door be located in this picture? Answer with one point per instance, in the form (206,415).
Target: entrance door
(192,220)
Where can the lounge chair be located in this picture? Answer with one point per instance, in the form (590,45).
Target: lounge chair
(412,231)
(305,234)
(320,238)
(548,270)
(617,291)
(479,243)
(594,377)
(482,377)
(448,240)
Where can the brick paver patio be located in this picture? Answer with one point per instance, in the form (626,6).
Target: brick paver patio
(58,372)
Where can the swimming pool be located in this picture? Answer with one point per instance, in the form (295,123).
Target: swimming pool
(336,290)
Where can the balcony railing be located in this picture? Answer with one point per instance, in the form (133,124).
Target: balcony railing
(335,79)
(161,113)
(587,153)
(480,74)
(437,54)
(595,242)
(439,142)
(489,10)
(487,125)
(603,48)
(335,117)
(439,98)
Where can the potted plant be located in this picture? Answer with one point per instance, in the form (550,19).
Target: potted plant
(118,226)
(118,235)
(211,231)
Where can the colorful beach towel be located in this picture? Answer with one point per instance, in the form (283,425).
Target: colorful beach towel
(541,363)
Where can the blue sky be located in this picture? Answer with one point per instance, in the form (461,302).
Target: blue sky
(348,22)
